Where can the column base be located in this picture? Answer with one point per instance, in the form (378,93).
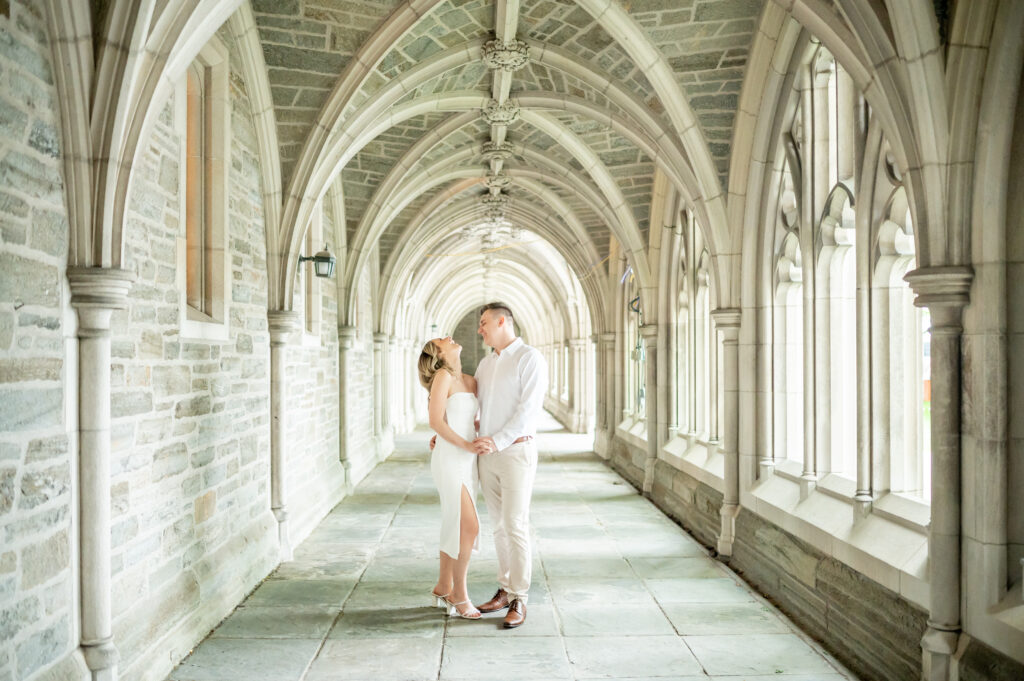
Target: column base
(727,533)
(938,662)
(765,469)
(349,486)
(807,485)
(861,507)
(283,542)
(101,658)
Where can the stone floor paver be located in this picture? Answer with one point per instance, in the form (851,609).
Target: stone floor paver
(619,591)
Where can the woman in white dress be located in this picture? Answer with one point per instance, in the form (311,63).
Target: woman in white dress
(452,407)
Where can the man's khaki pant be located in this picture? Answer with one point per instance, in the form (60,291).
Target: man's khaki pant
(506,478)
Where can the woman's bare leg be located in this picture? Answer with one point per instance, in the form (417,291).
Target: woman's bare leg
(469,527)
(446,576)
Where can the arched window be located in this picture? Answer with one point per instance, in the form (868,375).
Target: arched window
(703,349)
(788,365)
(682,350)
(635,397)
(908,395)
(836,285)
(565,370)
(198,236)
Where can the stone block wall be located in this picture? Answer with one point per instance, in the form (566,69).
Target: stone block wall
(361,446)
(192,529)
(867,627)
(315,479)
(627,460)
(693,505)
(38,620)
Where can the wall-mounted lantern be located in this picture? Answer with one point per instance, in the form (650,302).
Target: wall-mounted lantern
(323,263)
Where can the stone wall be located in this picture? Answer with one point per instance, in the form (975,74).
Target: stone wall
(866,626)
(38,621)
(693,505)
(627,460)
(315,479)
(192,529)
(361,447)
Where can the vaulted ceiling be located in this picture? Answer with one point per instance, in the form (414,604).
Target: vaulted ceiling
(497,118)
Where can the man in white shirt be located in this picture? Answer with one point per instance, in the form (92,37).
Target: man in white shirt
(511,383)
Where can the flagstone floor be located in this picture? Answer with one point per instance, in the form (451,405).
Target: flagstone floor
(619,591)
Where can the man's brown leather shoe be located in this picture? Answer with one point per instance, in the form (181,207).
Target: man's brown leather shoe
(516,614)
(498,602)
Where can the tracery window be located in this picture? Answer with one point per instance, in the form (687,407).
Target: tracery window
(565,371)
(635,396)
(849,346)
(682,350)
(703,351)
(696,356)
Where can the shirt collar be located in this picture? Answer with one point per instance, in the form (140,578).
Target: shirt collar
(511,347)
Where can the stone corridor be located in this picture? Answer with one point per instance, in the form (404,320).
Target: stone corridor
(620,591)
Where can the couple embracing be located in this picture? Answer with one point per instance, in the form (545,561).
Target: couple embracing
(508,395)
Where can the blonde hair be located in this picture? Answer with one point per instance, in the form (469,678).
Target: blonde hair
(430,363)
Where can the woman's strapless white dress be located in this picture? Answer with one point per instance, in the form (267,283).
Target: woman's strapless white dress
(453,468)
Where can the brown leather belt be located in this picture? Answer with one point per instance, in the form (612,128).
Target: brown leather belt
(525,438)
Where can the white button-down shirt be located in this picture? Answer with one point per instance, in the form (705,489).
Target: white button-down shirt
(511,387)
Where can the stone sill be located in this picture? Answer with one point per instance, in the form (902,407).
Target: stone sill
(893,553)
(634,431)
(911,513)
(204,332)
(697,458)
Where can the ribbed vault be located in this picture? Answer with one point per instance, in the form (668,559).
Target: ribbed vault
(559,112)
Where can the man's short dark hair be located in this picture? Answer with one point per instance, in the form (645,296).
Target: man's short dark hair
(500,308)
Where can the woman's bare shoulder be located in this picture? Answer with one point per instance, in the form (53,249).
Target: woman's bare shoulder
(469,381)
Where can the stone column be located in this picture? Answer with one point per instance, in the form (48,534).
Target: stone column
(671,366)
(727,321)
(599,416)
(410,355)
(393,389)
(578,383)
(649,333)
(605,396)
(346,341)
(282,324)
(379,339)
(611,415)
(95,294)
(944,291)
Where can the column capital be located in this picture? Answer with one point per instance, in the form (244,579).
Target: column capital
(578,342)
(608,337)
(96,292)
(346,336)
(727,320)
(941,287)
(282,323)
(380,338)
(100,287)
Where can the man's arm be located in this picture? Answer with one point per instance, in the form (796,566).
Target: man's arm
(535,383)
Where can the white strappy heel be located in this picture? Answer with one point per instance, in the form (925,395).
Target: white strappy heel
(473,614)
(440,601)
